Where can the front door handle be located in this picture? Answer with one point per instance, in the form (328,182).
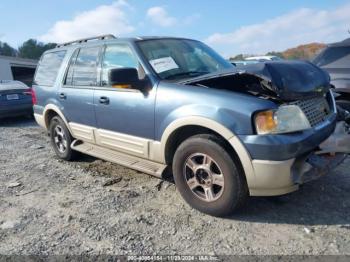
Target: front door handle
(63,96)
(104,100)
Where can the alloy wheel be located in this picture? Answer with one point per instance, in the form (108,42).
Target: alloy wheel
(60,139)
(204,177)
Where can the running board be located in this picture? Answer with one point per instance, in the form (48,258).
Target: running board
(133,162)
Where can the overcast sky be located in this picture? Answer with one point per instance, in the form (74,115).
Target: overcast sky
(230,27)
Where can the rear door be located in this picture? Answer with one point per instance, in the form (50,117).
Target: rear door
(125,117)
(77,92)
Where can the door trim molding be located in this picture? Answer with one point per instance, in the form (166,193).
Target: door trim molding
(132,145)
(121,142)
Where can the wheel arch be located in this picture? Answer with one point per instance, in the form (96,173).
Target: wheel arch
(183,128)
(50,111)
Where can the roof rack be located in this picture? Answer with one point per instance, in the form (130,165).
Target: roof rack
(84,40)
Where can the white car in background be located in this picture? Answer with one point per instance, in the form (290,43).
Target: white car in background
(263,58)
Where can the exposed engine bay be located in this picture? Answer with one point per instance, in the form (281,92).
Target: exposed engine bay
(282,81)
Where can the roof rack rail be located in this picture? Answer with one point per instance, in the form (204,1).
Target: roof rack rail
(84,40)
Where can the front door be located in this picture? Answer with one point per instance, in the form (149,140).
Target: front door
(125,117)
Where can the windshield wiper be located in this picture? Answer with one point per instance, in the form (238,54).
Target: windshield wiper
(189,73)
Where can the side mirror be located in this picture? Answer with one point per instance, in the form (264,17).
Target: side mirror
(124,77)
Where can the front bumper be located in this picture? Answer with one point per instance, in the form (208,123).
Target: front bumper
(282,177)
(277,177)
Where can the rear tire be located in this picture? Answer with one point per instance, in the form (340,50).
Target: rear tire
(207,177)
(61,139)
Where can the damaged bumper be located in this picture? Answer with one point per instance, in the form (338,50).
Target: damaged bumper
(282,177)
(338,142)
(315,166)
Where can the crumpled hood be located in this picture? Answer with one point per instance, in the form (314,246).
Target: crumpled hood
(287,80)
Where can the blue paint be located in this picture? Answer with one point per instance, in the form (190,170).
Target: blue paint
(148,113)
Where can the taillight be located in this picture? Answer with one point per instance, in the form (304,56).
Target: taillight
(32,94)
(34,100)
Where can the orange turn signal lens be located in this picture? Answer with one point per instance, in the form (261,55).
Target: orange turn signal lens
(121,86)
(265,122)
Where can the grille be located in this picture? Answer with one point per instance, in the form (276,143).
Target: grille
(316,109)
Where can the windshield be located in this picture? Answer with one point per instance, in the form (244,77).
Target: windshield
(176,59)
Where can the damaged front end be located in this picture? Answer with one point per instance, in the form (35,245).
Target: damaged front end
(331,152)
(314,166)
(282,81)
(315,151)
(339,141)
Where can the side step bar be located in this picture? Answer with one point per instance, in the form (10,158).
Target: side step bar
(133,162)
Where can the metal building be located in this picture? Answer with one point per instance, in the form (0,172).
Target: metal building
(15,68)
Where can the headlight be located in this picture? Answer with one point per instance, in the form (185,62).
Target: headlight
(285,119)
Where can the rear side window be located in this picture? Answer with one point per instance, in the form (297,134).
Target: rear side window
(48,68)
(82,69)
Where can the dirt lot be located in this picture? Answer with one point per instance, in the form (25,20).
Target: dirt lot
(48,206)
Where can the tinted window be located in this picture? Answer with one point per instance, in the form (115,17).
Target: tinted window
(48,68)
(85,67)
(117,56)
(338,55)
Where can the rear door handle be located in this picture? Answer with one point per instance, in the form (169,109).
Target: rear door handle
(104,100)
(63,96)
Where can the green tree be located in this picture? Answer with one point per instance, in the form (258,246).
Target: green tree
(273,53)
(237,57)
(33,49)
(7,50)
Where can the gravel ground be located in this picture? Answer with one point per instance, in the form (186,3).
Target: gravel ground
(49,206)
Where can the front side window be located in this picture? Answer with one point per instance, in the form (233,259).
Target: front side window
(176,59)
(48,68)
(117,56)
(85,67)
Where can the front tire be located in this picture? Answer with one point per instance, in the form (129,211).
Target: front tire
(61,139)
(207,177)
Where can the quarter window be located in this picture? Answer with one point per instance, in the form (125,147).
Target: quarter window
(117,56)
(84,70)
(48,68)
